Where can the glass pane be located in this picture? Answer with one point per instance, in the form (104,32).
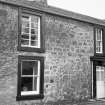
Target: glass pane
(27,67)
(25,24)
(34,37)
(32,25)
(25,30)
(26,83)
(25,36)
(34,43)
(99,34)
(24,42)
(99,44)
(33,31)
(36,68)
(100,73)
(97,50)
(35,84)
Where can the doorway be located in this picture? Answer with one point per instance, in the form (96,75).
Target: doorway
(100,81)
(98,77)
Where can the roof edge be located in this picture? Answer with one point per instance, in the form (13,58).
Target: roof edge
(77,16)
(55,11)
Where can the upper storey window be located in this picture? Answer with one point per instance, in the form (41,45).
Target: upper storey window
(30,31)
(99,40)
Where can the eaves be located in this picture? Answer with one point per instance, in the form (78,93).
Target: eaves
(55,11)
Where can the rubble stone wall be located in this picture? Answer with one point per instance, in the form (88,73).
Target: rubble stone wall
(68,47)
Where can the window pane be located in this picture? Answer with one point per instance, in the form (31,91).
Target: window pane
(35,84)
(26,83)
(99,44)
(34,43)
(27,67)
(25,30)
(34,37)
(99,37)
(98,34)
(25,24)
(25,36)
(32,31)
(24,42)
(97,49)
(36,68)
(33,25)
(100,73)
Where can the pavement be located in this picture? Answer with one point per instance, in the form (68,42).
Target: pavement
(96,102)
(90,102)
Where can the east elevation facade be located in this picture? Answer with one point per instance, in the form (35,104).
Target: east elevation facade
(49,55)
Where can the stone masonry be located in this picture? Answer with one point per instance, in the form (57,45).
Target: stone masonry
(68,47)
(37,2)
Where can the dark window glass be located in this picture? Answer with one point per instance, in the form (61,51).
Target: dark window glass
(26,83)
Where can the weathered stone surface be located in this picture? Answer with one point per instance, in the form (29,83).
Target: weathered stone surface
(71,45)
(68,47)
(36,2)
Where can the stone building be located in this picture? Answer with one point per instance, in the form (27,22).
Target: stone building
(49,55)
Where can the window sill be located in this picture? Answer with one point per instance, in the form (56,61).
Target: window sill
(30,49)
(31,97)
(98,53)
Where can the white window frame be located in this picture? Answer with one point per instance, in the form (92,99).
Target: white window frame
(38,80)
(38,35)
(99,32)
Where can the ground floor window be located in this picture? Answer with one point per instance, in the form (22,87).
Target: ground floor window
(30,77)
